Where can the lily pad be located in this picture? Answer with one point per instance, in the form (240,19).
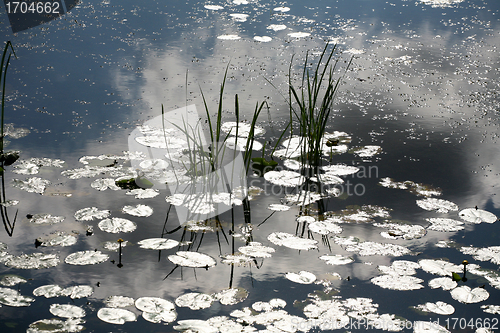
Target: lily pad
(154,305)
(57,238)
(86,258)
(439,267)
(139,210)
(257,250)
(464,294)
(192,259)
(158,243)
(194,301)
(91,213)
(284,178)
(439,307)
(231,296)
(119,301)
(67,311)
(33,261)
(491,253)
(56,326)
(12,280)
(302,277)
(439,205)
(477,216)
(116,316)
(46,219)
(292,241)
(117,225)
(443,282)
(398,282)
(141,193)
(11,297)
(325,227)
(444,224)
(336,259)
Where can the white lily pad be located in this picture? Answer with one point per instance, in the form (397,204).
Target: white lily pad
(400,267)
(79,291)
(158,243)
(439,205)
(46,219)
(141,193)
(12,280)
(102,184)
(366,151)
(86,258)
(491,253)
(117,225)
(292,241)
(158,317)
(439,267)
(443,282)
(195,325)
(192,259)
(119,301)
(303,198)
(336,259)
(477,216)
(11,297)
(325,227)
(439,307)
(400,230)
(244,129)
(372,248)
(257,250)
(33,184)
(231,296)
(48,291)
(464,294)
(444,224)
(284,178)
(493,309)
(139,210)
(194,301)
(341,169)
(238,259)
(398,282)
(154,305)
(67,311)
(56,326)
(57,238)
(302,277)
(33,261)
(91,213)
(116,316)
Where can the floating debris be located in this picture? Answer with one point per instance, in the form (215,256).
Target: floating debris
(443,282)
(398,282)
(119,301)
(292,241)
(192,259)
(67,311)
(231,296)
(91,213)
(439,307)
(86,258)
(336,259)
(158,243)
(139,210)
(33,261)
(302,277)
(33,184)
(444,224)
(439,205)
(11,297)
(46,219)
(117,225)
(464,294)
(116,316)
(195,301)
(477,216)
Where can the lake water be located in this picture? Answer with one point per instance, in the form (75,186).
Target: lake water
(423,85)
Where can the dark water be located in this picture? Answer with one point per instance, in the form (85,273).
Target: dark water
(423,85)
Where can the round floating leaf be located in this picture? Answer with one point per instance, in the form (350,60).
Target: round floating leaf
(336,259)
(278,207)
(91,213)
(439,267)
(86,258)
(443,224)
(302,277)
(443,282)
(57,238)
(11,297)
(33,261)
(12,280)
(477,215)
(154,305)
(139,210)
(439,205)
(491,253)
(34,184)
(141,193)
(194,301)
(439,307)
(325,228)
(400,267)
(49,291)
(117,225)
(195,325)
(192,259)
(257,250)
(158,243)
(159,317)
(292,241)
(119,301)
(284,178)
(56,326)
(231,296)
(116,316)
(67,311)
(80,291)
(398,282)
(464,294)
(46,219)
